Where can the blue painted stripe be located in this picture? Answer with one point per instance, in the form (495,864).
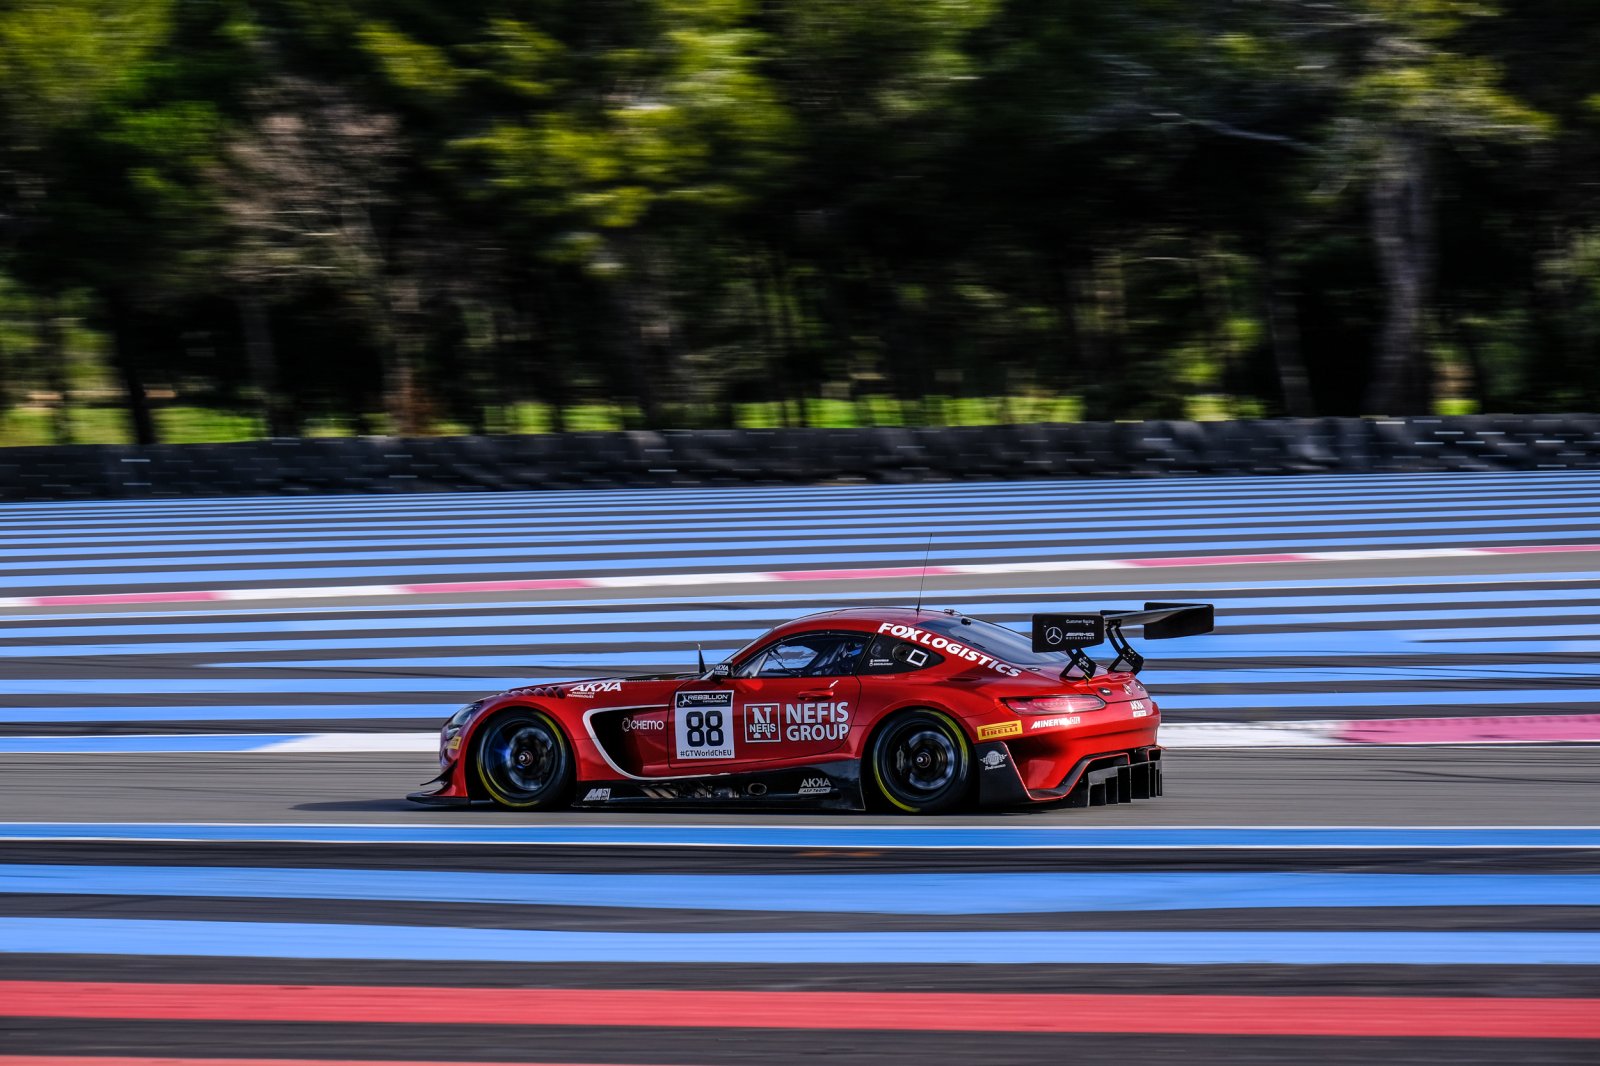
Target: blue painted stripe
(773,535)
(1568,484)
(1464,669)
(734,638)
(830,836)
(146,574)
(254,712)
(1516,700)
(1538,588)
(921,893)
(711,624)
(212,686)
(991,519)
(1391,503)
(1520,698)
(101,936)
(115,744)
(476,687)
(1011,611)
(1330,645)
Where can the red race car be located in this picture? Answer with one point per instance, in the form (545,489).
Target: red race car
(915,710)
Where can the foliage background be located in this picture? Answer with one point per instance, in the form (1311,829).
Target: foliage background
(222,219)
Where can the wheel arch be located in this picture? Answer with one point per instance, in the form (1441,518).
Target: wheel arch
(918,702)
(868,762)
(469,748)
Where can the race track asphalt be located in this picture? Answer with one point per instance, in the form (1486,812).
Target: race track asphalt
(1444,786)
(122,959)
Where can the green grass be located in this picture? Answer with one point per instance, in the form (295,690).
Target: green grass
(189,424)
(177,424)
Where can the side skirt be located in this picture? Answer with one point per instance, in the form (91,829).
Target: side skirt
(826,786)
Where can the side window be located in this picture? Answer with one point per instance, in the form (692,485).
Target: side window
(890,656)
(807,655)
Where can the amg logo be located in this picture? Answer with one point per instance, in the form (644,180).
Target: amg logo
(597,795)
(761,723)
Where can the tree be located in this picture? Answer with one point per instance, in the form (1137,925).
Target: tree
(305,181)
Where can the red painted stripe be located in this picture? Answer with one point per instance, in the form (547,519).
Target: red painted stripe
(868,572)
(1422,1016)
(1539,549)
(1514,729)
(94,599)
(540,584)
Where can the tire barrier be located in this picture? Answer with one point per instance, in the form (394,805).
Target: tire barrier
(767,456)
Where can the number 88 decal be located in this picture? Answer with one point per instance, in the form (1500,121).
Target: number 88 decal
(704,729)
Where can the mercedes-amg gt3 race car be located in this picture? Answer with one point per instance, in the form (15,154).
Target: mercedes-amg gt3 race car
(916,710)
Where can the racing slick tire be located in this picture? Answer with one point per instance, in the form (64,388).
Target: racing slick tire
(921,763)
(523,761)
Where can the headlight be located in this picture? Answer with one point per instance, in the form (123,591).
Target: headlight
(450,734)
(1074,703)
(460,718)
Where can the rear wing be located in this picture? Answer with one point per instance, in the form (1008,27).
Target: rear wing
(1071,633)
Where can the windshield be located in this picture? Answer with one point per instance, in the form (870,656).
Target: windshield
(1004,644)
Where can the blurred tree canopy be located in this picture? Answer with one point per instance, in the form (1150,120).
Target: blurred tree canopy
(224,218)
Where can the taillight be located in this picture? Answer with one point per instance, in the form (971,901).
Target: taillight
(1075,702)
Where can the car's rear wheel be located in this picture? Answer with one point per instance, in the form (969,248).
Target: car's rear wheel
(523,761)
(922,763)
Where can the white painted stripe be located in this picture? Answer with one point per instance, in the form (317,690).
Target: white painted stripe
(1038,568)
(812,573)
(652,580)
(359,743)
(308,593)
(1178,736)
(1183,736)
(1393,553)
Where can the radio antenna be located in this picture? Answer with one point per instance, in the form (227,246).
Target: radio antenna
(923,580)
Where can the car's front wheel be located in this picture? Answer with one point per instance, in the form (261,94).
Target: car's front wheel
(523,761)
(922,763)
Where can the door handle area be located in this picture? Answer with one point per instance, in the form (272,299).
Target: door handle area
(815,693)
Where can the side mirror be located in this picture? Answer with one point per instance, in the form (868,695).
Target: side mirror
(720,671)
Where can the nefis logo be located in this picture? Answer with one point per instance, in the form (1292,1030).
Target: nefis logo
(829,720)
(760,723)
